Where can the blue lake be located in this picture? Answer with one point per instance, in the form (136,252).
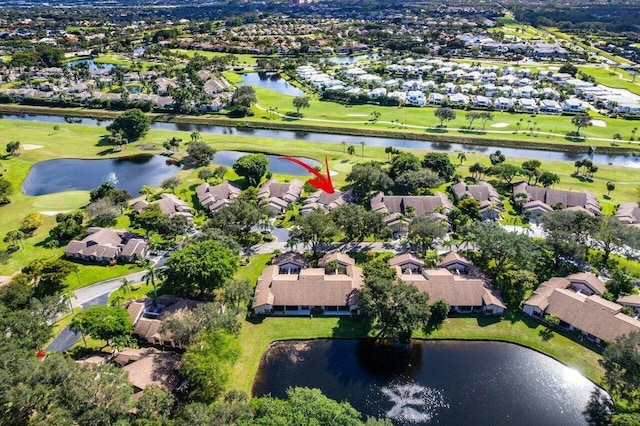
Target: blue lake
(130,173)
(276,165)
(271,81)
(93,66)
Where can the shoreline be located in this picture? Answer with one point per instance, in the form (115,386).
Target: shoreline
(430,339)
(101,114)
(262,334)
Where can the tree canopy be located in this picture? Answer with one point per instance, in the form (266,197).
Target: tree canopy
(621,362)
(108,323)
(395,309)
(252,167)
(207,364)
(200,153)
(445,114)
(201,267)
(367,177)
(132,123)
(315,228)
(440,163)
(356,222)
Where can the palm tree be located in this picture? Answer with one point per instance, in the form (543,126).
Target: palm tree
(351,150)
(362,144)
(77,327)
(126,286)
(150,277)
(195,136)
(117,299)
(462,157)
(344,145)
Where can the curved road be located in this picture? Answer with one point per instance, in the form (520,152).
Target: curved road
(96,294)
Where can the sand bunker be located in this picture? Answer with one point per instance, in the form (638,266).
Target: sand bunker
(598,123)
(53,212)
(30,146)
(500,125)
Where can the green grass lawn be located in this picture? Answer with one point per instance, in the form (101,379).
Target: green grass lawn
(81,141)
(244,59)
(253,269)
(577,41)
(256,335)
(620,79)
(138,291)
(90,274)
(407,120)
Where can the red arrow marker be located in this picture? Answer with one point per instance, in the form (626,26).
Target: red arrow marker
(321,182)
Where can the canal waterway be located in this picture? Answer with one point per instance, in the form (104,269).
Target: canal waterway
(616,160)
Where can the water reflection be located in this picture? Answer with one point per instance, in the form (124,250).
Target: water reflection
(617,160)
(129,173)
(271,81)
(276,165)
(452,383)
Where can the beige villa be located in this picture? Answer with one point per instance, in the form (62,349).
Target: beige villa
(576,300)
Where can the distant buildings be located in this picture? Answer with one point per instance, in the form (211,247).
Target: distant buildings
(398,209)
(106,245)
(326,202)
(536,200)
(490,203)
(169,204)
(277,196)
(217,196)
(629,213)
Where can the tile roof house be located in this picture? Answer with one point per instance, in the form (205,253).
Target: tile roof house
(146,316)
(169,204)
(632,300)
(466,290)
(217,196)
(277,195)
(395,207)
(629,213)
(332,288)
(490,203)
(107,245)
(537,200)
(150,366)
(326,202)
(576,300)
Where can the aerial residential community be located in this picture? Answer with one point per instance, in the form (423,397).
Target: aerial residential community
(320,212)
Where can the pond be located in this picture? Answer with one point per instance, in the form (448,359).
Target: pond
(616,160)
(271,81)
(449,383)
(227,158)
(93,66)
(130,173)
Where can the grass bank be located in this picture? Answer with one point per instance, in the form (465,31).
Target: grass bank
(257,334)
(84,141)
